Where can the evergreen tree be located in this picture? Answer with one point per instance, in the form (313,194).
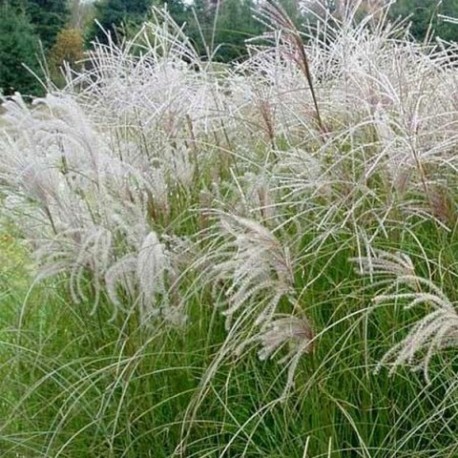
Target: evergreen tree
(18,47)
(425,15)
(220,28)
(217,27)
(179,10)
(17,5)
(114,14)
(48,17)
(234,25)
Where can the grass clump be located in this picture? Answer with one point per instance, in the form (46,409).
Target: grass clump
(238,263)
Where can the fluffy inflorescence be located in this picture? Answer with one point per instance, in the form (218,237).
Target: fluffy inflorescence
(437,330)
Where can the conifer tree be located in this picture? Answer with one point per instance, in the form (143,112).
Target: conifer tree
(18,50)
(48,17)
(425,17)
(112,15)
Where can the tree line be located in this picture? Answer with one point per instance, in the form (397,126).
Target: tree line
(35,32)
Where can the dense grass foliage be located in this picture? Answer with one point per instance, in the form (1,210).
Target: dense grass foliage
(211,261)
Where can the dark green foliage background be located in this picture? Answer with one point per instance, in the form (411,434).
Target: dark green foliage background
(112,14)
(424,15)
(23,25)
(18,46)
(217,31)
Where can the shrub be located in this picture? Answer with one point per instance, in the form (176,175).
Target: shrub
(68,49)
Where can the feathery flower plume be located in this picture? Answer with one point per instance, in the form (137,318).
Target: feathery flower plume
(142,278)
(283,330)
(436,331)
(275,17)
(152,266)
(257,266)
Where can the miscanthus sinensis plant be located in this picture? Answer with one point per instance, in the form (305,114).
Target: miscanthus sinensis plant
(160,185)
